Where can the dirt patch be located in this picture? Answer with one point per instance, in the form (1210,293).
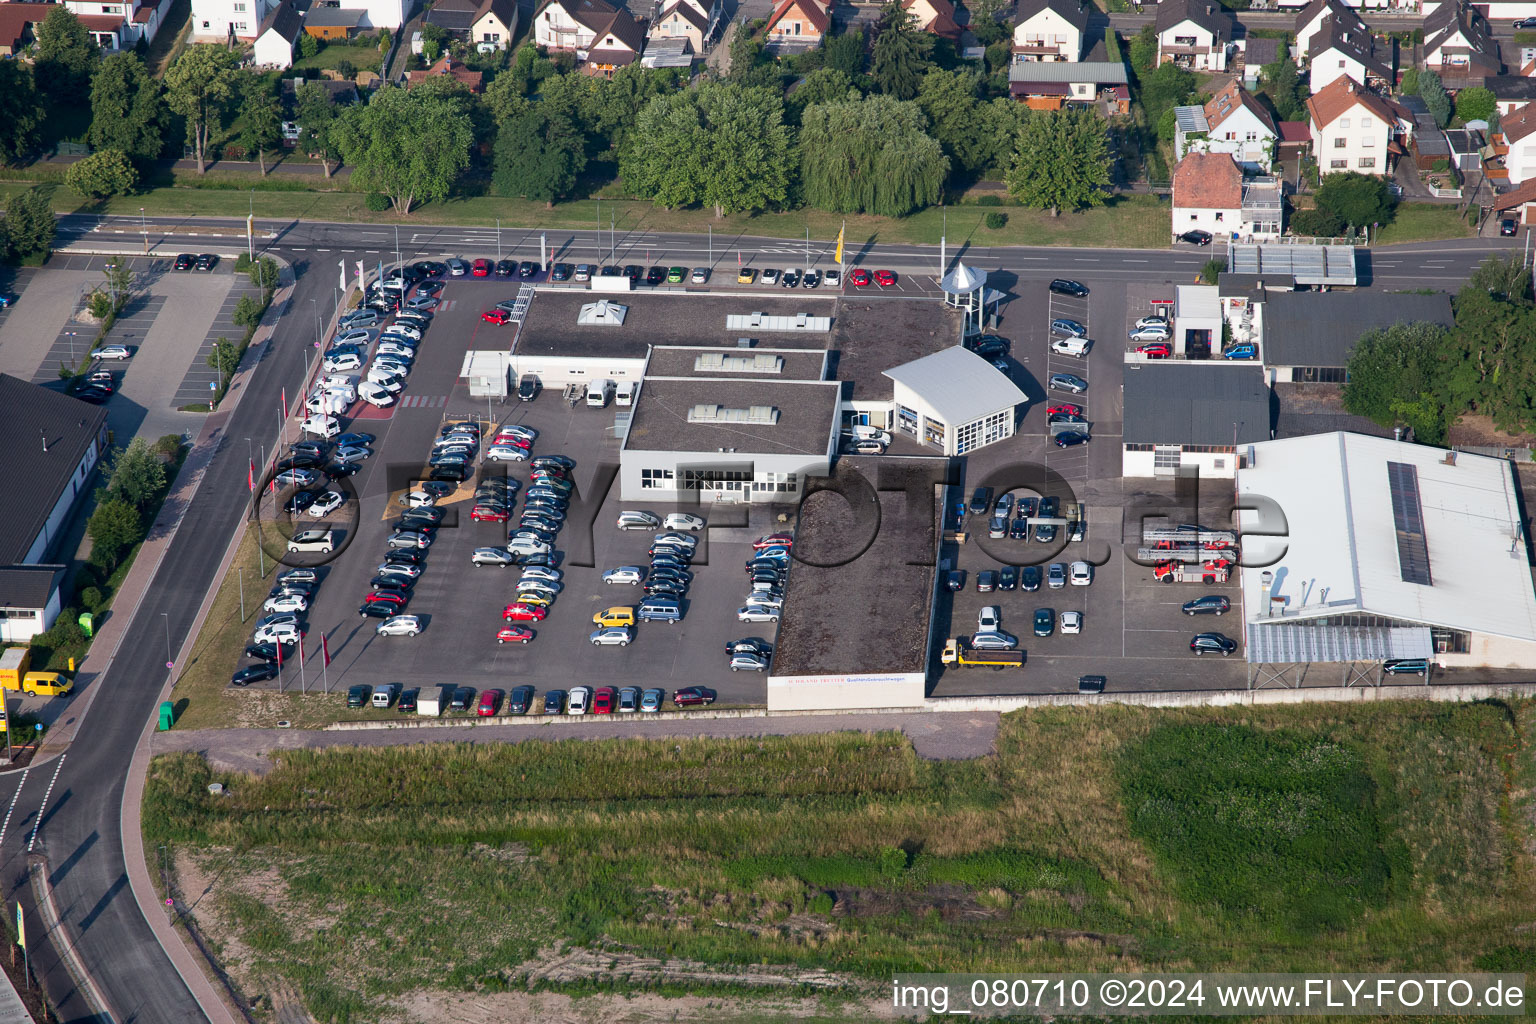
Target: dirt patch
(592,965)
(1479,431)
(952,902)
(557,1008)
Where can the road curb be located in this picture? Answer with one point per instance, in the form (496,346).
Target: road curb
(54,926)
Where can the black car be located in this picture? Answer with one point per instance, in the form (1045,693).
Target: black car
(405,556)
(450,473)
(1045,533)
(1216,643)
(611,270)
(340,470)
(635,272)
(655,275)
(1008,578)
(563,461)
(268,651)
(463,698)
(527,268)
(1210,604)
(1525,23)
(790,279)
(436,488)
(359,695)
(520,700)
(505,268)
(561,272)
(1090,684)
(431,268)
(407,701)
(1061,286)
(313,449)
(391,582)
(981,501)
(991,346)
(1029,577)
(528,387)
(94,394)
(1019,528)
(1196,237)
(1050,507)
(986,581)
(379,609)
(301,460)
(954,580)
(750,645)
(254,674)
(185,261)
(1508,226)
(300,501)
(207,261)
(554,702)
(1045,621)
(304,588)
(1070,439)
(428,289)
(431,515)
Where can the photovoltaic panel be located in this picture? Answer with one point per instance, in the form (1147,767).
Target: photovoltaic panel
(1408,519)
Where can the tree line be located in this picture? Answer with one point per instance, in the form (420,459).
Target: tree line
(883,124)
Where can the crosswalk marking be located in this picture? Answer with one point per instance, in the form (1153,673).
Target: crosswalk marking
(423,401)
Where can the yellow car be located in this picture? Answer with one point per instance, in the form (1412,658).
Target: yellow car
(616,616)
(534,600)
(746,275)
(47,684)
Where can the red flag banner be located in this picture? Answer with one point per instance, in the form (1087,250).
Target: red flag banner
(250,476)
(279,646)
(301,654)
(285,403)
(325,649)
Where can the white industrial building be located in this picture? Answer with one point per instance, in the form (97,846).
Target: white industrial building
(955,401)
(1362,549)
(1182,418)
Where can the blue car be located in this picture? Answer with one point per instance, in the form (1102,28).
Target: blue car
(1243,351)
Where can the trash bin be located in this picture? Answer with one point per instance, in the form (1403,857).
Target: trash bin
(167,715)
(87,622)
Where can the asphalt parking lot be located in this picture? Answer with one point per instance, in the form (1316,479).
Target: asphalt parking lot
(461,604)
(1133,629)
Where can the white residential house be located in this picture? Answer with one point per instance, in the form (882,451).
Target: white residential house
(1207,195)
(1353,129)
(1309,25)
(570,24)
(1342,51)
(1519,132)
(1231,122)
(278,36)
(1195,34)
(218,21)
(119,25)
(1049,30)
(693,20)
(1458,43)
(495,25)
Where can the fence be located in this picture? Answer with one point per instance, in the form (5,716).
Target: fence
(1493,451)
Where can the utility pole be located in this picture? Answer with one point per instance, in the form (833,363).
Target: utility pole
(397,245)
(498,239)
(240,569)
(250,228)
(144,230)
(711,244)
(598,248)
(613,242)
(943,234)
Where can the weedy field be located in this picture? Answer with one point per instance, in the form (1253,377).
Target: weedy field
(1392,836)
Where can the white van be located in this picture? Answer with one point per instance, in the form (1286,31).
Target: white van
(862,432)
(624,394)
(599,392)
(384,694)
(312,540)
(321,424)
(1077,346)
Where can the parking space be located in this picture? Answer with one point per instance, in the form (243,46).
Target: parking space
(195,382)
(461,605)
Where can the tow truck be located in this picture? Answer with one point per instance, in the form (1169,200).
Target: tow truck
(957,652)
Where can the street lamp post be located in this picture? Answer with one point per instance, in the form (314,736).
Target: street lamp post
(170,662)
(397,245)
(144,230)
(250,228)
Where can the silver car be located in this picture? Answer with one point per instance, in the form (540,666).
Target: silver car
(492,556)
(1056,575)
(994,640)
(635,520)
(541,572)
(748,662)
(631,574)
(409,539)
(610,636)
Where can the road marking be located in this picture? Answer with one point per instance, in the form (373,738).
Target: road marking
(322,250)
(12,809)
(44,805)
(1136,261)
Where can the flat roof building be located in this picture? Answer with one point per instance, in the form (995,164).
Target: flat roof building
(1192,417)
(1308,337)
(1348,532)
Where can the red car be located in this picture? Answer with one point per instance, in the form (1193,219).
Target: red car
(499,317)
(481,268)
(514,635)
(490,703)
(385,597)
(1064,409)
(859,278)
(691,696)
(1155,349)
(884,278)
(773,540)
(524,613)
(603,699)
(482,514)
(513,441)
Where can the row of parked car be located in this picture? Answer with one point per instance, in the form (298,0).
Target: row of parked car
(666,580)
(405,559)
(767,573)
(522,700)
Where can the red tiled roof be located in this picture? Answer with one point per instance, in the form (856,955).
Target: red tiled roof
(1341,94)
(1207,181)
(1295,131)
(101,22)
(14,19)
(1517,124)
(943,22)
(1229,101)
(446,66)
(142,15)
(1526,193)
(810,10)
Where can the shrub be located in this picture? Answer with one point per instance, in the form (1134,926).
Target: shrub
(996,221)
(990,200)
(242,263)
(345,69)
(1321,223)
(169,445)
(378,202)
(893,862)
(92,599)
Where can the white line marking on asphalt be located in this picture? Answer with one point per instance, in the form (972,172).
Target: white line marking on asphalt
(12,809)
(44,805)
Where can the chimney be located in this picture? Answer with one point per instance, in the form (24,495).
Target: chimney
(1450,458)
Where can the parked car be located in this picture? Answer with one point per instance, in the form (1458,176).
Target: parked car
(1069,327)
(1061,286)
(1208,604)
(1045,621)
(1216,643)
(1196,237)
(693,696)
(1067,382)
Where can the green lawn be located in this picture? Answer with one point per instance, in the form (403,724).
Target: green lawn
(363,58)
(1424,222)
(1362,837)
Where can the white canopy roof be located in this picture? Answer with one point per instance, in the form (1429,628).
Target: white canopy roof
(958,384)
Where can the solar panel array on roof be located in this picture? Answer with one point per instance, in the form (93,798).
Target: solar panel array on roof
(1408,519)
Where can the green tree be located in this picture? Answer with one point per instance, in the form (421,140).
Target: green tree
(21,115)
(261,120)
(1487,366)
(309,46)
(611,107)
(1476,104)
(747,166)
(824,85)
(128,111)
(317,119)
(956,117)
(539,155)
(433,38)
(844,52)
(1391,379)
(1503,277)
(66,55)
(1409,85)
(1316,223)
(667,163)
(870,156)
(507,95)
(29,225)
(247,312)
(1144,49)
(114,528)
(1358,200)
(1062,161)
(263,273)
(1432,92)
(410,146)
(900,54)
(385,40)
(1166,87)
(106,172)
(224,359)
(198,85)
(137,475)
(1285,88)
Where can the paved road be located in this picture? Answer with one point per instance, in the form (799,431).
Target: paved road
(80,831)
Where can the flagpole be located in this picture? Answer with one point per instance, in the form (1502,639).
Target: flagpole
(303,688)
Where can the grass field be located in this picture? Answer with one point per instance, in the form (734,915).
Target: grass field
(1362,837)
(1424,222)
